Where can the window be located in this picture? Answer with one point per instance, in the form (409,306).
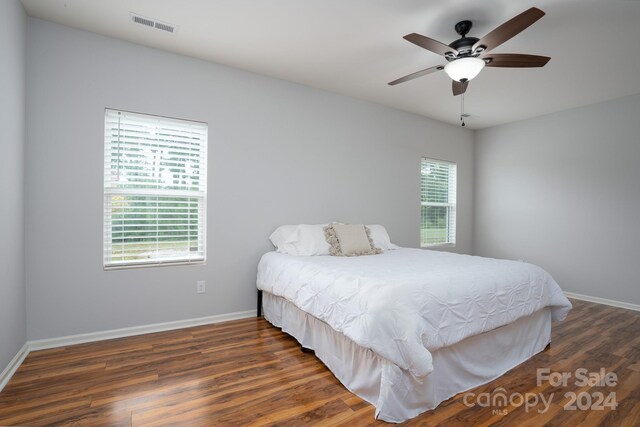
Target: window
(155,194)
(437,203)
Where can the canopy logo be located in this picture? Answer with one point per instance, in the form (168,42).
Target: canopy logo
(593,398)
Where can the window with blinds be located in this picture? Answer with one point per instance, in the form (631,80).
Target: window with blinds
(155,190)
(437,202)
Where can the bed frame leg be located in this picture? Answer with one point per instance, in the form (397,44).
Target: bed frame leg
(259,303)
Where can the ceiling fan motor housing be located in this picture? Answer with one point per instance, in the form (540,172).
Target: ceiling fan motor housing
(464,45)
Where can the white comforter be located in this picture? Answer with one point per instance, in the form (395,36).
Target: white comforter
(404,303)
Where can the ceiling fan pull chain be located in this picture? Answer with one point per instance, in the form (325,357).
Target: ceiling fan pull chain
(462,109)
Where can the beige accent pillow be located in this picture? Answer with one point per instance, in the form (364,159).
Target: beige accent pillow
(349,240)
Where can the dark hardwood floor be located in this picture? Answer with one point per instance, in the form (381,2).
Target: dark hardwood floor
(247,372)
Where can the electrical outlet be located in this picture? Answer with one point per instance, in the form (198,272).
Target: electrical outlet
(200,287)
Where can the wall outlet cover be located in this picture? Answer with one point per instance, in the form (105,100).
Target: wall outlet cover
(200,286)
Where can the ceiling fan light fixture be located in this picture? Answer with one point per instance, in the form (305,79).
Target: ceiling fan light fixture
(464,69)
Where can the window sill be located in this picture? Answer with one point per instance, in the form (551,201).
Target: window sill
(438,245)
(150,265)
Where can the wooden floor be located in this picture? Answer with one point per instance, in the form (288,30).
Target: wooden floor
(247,372)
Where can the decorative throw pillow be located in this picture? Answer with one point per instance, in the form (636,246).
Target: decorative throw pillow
(349,240)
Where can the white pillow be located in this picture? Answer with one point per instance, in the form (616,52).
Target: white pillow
(381,238)
(284,237)
(300,240)
(311,240)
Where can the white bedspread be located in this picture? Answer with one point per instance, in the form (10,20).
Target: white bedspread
(402,304)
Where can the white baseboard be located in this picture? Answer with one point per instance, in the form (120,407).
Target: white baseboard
(13,366)
(111,334)
(136,330)
(604,301)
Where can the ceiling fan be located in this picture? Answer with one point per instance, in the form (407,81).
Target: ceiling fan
(467,56)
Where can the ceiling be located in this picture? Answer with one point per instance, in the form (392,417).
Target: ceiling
(354,47)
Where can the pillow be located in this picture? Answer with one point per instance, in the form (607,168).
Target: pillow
(311,240)
(381,238)
(349,240)
(283,238)
(300,240)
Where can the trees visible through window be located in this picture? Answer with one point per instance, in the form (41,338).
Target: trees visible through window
(155,175)
(437,202)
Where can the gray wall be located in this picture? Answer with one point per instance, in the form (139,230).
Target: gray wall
(13,27)
(563,191)
(278,153)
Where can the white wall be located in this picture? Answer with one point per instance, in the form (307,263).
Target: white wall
(563,191)
(278,153)
(13,25)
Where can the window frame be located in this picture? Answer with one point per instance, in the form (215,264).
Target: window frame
(200,197)
(450,205)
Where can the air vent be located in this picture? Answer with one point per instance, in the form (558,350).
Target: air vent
(144,21)
(153,23)
(164,27)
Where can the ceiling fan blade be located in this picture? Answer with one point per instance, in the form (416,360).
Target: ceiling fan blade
(416,74)
(459,87)
(430,44)
(509,29)
(515,60)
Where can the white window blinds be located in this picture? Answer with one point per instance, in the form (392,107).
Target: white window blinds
(438,202)
(155,194)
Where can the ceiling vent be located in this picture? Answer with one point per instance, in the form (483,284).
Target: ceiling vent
(165,27)
(153,23)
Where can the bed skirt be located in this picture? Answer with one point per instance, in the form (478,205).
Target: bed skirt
(396,395)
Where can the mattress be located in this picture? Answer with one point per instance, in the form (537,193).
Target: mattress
(405,304)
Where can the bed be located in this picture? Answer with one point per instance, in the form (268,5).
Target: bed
(409,328)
